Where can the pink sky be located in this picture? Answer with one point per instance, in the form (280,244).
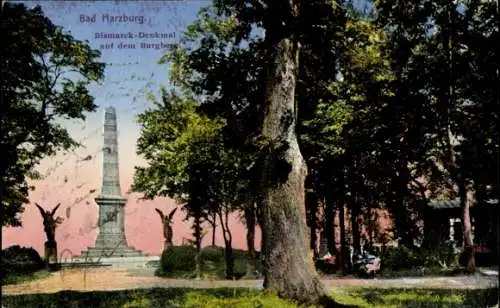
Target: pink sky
(75,185)
(143,226)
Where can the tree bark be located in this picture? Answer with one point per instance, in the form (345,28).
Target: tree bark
(197,236)
(467,198)
(228,239)
(214,228)
(343,256)
(343,262)
(250,219)
(288,267)
(356,234)
(330,224)
(466,190)
(312,211)
(355,212)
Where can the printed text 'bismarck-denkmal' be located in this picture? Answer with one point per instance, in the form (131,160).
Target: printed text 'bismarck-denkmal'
(134,35)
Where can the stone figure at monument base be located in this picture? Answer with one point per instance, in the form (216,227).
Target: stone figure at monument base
(49,225)
(167,228)
(111,240)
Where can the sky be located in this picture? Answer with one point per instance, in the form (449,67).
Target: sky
(131,73)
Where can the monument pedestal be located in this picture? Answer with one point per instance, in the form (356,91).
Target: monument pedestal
(50,252)
(111,241)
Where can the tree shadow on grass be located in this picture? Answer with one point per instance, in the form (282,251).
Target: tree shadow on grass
(155,297)
(229,297)
(429,297)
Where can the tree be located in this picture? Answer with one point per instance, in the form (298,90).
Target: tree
(289,270)
(229,89)
(46,73)
(234,87)
(175,142)
(187,161)
(217,180)
(445,37)
(250,219)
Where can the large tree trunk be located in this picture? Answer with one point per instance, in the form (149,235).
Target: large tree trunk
(250,219)
(467,198)
(288,267)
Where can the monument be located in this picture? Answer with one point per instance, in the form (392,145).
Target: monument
(111,241)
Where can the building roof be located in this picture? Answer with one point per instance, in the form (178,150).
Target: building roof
(454,203)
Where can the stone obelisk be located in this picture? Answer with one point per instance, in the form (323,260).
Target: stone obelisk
(111,240)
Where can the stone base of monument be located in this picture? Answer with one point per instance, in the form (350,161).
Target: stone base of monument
(51,256)
(120,252)
(149,263)
(50,252)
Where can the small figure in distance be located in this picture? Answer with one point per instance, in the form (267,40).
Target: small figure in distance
(167,228)
(49,225)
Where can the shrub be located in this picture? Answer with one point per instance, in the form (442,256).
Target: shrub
(22,260)
(441,256)
(180,261)
(177,259)
(399,258)
(212,254)
(324,267)
(483,256)
(404,258)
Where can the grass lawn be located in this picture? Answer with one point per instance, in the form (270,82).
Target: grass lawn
(226,297)
(391,298)
(16,278)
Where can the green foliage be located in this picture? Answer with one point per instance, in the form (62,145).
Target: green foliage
(19,264)
(443,255)
(213,253)
(172,134)
(21,259)
(382,95)
(46,74)
(177,259)
(179,262)
(138,303)
(424,261)
(189,162)
(398,258)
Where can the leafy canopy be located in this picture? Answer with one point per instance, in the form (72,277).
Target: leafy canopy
(46,77)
